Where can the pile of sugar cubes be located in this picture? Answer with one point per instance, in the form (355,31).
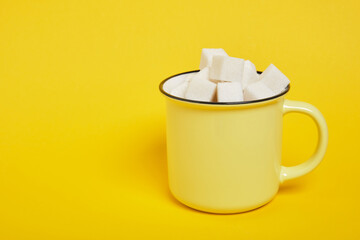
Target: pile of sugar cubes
(228,79)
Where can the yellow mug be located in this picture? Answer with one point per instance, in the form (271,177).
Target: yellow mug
(226,157)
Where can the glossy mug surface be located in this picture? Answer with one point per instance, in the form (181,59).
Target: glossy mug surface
(226,157)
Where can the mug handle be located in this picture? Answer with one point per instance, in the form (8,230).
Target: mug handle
(288,173)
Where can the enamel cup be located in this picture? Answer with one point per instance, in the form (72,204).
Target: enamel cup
(226,157)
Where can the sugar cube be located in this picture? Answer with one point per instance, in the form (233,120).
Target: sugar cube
(203,74)
(189,77)
(200,88)
(228,69)
(229,92)
(250,75)
(257,90)
(274,79)
(207,56)
(180,90)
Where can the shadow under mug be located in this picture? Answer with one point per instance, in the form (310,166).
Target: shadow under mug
(226,157)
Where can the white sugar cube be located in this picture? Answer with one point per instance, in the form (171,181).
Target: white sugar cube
(228,69)
(201,91)
(257,91)
(229,92)
(203,74)
(188,77)
(250,75)
(274,79)
(200,88)
(207,56)
(180,90)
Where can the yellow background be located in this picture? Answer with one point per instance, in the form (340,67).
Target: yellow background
(82,123)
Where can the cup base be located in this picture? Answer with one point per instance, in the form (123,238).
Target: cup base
(222,211)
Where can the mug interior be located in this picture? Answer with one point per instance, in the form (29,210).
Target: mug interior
(172,82)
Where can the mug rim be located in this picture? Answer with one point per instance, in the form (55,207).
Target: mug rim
(161,88)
